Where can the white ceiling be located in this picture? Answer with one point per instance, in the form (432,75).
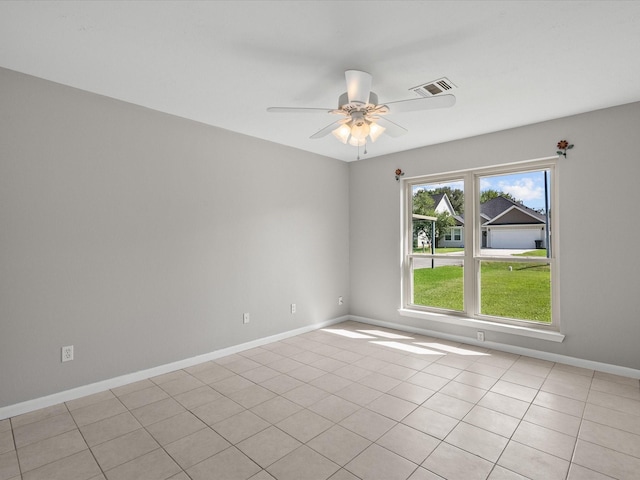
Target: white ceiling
(223,63)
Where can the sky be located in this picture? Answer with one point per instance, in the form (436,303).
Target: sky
(527,187)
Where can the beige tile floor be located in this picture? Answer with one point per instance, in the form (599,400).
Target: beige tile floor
(348,402)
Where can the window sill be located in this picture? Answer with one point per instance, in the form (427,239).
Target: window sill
(541,334)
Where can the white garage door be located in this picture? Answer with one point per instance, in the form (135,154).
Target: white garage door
(515,238)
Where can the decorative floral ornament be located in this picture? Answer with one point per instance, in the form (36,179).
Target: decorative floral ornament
(563,146)
(400,173)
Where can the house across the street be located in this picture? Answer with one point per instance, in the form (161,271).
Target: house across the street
(505,224)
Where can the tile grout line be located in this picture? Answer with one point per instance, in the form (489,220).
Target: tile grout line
(340,467)
(323,351)
(495,464)
(15,447)
(85,440)
(509,439)
(575,446)
(521,420)
(539,389)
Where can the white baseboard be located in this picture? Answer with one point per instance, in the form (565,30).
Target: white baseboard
(552,357)
(83,391)
(72,394)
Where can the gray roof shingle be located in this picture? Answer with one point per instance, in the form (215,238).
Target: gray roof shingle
(498,205)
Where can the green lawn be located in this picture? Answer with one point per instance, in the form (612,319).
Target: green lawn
(532,253)
(438,287)
(523,292)
(439,250)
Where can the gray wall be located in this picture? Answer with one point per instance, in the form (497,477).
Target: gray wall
(599,198)
(141,238)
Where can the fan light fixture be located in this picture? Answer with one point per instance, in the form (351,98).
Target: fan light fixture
(356,131)
(362,116)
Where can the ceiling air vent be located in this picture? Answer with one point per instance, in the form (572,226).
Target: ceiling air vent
(436,87)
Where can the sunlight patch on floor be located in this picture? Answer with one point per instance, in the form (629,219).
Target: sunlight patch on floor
(380,333)
(346,333)
(408,348)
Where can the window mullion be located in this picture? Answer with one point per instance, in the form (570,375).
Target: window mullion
(470,245)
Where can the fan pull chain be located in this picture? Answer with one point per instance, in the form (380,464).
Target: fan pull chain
(365,150)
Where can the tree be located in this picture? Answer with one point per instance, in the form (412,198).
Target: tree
(490,194)
(456,197)
(423,205)
(443,225)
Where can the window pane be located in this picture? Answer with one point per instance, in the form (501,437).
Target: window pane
(513,213)
(437,222)
(438,282)
(437,210)
(516,290)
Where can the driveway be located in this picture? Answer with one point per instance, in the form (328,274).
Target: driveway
(455,257)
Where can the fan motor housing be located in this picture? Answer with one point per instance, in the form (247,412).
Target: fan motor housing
(343,101)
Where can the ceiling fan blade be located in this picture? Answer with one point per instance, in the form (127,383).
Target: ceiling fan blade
(380,110)
(427,103)
(298,110)
(392,129)
(358,86)
(327,130)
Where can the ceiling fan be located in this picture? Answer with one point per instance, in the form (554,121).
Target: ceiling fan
(362,117)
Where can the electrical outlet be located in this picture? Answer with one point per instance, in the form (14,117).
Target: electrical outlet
(245,317)
(67,353)
(340,301)
(293,308)
(480,336)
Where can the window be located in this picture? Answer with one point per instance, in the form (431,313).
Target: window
(506,217)
(437,273)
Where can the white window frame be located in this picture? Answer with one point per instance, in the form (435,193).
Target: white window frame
(471,316)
